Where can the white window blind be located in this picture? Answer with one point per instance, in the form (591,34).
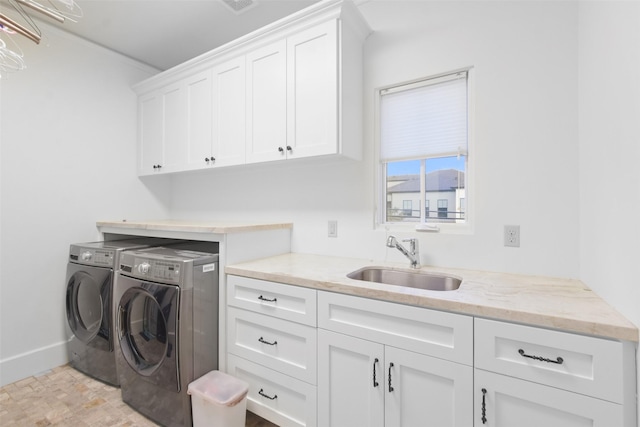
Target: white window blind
(424,119)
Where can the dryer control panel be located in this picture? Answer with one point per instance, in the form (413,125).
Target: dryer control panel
(163,271)
(102,257)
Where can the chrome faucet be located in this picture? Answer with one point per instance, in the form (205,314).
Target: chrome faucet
(413,253)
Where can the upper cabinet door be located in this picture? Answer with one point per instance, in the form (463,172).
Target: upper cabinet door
(267,103)
(229,130)
(149,133)
(174,127)
(312,91)
(198,105)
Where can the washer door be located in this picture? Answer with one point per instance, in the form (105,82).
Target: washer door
(88,305)
(147,325)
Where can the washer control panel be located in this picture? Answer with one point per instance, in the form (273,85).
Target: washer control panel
(103,257)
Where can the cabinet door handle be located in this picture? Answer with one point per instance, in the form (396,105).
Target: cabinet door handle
(390,387)
(267,299)
(375,383)
(262,393)
(262,340)
(157,166)
(206,159)
(289,149)
(281,150)
(559,360)
(484,407)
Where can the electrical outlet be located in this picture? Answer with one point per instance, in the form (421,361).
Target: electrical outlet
(512,235)
(333,228)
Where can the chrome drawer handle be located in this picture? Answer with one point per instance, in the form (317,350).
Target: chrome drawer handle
(267,342)
(261,298)
(559,360)
(261,393)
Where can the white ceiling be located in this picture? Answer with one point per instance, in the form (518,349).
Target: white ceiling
(165,33)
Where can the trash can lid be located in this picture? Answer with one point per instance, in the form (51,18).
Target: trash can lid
(219,388)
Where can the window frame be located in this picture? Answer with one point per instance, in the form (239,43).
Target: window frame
(380,195)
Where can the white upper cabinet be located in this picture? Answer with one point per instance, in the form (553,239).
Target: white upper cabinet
(149,133)
(292,89)
(229,130)
(312,92)
(198,111)
(267,103)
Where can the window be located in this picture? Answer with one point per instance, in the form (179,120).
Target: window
(423,141)
(443,208)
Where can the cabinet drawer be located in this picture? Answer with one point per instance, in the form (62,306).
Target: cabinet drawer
(278,398)
(274,299)
(434,333)
(586,365)
(284,346)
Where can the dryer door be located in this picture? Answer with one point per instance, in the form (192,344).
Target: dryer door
(147,325)
(88,304)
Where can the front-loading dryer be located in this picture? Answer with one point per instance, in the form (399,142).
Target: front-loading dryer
(89,304)
(167,328)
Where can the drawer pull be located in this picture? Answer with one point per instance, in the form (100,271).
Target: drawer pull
(484,407)
(261,298)
(559,360)
(375,383)
(390,387)
(267,342)
(262,393)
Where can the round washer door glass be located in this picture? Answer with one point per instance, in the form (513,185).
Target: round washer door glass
(147,335)
(85,302)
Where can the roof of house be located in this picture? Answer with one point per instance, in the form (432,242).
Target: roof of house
(440,180)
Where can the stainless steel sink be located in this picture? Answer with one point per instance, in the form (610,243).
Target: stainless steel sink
(410,279)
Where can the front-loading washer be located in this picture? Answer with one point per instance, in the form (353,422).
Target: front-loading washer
(167,328)
(89,304)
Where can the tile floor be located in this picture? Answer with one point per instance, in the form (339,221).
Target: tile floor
(66,397)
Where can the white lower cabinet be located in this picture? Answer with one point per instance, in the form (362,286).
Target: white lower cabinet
(364,383)
(365,379)
(271,344)
(274,396)
(502,401)
(335,360)
(529,376)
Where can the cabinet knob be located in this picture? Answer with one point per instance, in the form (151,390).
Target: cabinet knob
(157,166)
(280,149)
(206,159)
(213,159)
(289,148)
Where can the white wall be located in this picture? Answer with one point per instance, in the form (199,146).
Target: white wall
(525,62)
(610,153)
(67,135)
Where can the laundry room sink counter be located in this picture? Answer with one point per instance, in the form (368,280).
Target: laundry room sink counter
(558,303)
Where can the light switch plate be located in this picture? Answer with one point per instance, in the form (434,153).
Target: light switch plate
(333,228)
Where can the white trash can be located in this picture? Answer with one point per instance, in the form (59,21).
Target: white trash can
(218,399)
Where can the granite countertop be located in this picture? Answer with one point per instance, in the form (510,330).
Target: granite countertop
(565,304)
(221,227)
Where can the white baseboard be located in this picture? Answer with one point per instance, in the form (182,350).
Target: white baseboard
(31,363)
